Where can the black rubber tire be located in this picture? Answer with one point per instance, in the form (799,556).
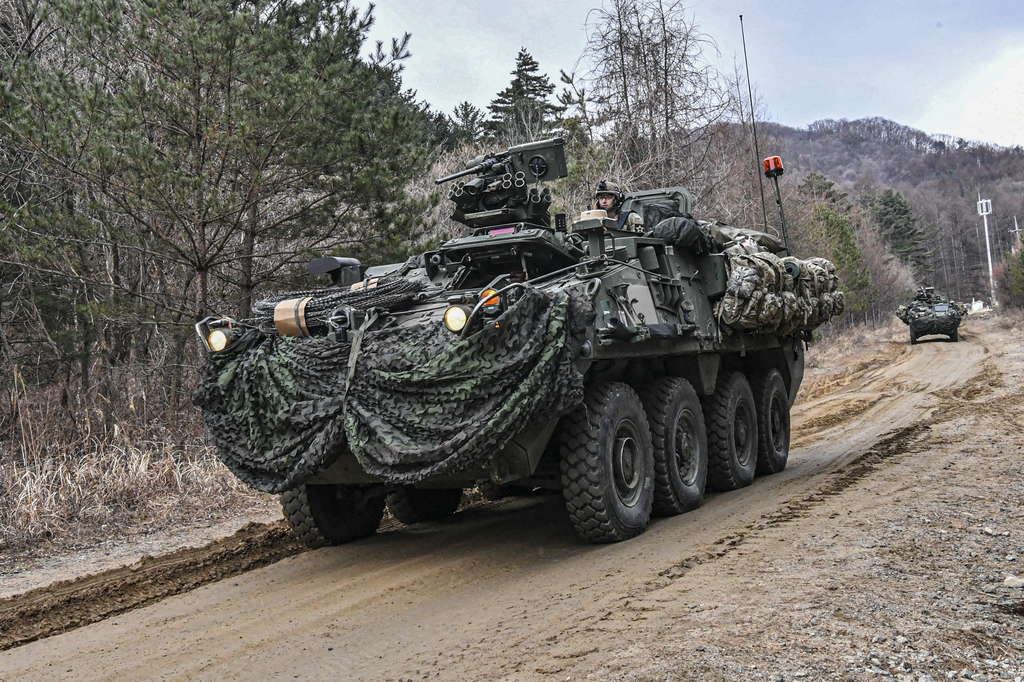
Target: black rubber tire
(607,464)
(913,336)
(412,505)
(731,421)
(955,336)
(332,514)
(771,402)
(680,445)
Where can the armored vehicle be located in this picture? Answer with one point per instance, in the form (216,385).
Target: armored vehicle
(932,313)
(627,369)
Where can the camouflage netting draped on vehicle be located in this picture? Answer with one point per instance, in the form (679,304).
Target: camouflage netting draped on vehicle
(923,317)
(779,295)
(905,313)
(930,323)
(410,402)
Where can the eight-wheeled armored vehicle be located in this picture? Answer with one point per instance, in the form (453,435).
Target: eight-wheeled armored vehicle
(932,313)
(626,368)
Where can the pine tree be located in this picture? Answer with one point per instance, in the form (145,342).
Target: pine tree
(822,190)
(521,112)
(467,123)
(837,231)
(832,234)
(234,136)
(899,228)
(190,156)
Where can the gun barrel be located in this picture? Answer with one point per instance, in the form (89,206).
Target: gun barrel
(460,174)
(479,168)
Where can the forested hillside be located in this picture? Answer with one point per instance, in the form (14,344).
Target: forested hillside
(940,178)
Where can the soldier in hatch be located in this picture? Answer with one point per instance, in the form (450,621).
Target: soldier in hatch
(609,197)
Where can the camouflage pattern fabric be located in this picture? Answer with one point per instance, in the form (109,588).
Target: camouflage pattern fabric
(925,319)
(753,299)
(422,401)
(932,322)
(921,313)
(817,298)
(769,294)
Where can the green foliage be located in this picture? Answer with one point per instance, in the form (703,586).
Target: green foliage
(899,227)
(835,230)
(829,231)
(467,124)
(521,112)
(822,190)
(1010,280)
(160,160)
(229,134)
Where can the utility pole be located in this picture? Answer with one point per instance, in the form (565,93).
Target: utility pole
(957,276)
(984,209)
(1016,248)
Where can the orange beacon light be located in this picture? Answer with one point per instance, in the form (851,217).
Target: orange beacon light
(773,167)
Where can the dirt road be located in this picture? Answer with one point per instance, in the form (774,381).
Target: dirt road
(882,550)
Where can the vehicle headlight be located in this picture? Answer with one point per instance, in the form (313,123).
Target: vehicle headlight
(217,340)
(455,318)
(217,333)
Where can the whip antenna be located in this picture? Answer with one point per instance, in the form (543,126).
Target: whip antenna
(753,125)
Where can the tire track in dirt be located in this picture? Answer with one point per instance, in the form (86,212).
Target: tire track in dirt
(71,604)
(634,604)
(887,450)
(872,388)
(903,441)
(847,408)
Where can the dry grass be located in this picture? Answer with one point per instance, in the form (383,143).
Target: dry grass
(1011,319)
(837,345)
(59,485)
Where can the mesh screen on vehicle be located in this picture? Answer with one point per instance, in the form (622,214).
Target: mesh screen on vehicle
(421,401)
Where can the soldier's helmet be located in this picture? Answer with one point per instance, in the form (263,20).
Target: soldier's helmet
(606,188)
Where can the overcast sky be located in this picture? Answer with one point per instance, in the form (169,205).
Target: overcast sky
(942,66)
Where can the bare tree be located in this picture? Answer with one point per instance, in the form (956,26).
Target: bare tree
(729,187)
(656,99)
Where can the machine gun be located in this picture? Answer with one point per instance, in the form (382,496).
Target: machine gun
(500,194)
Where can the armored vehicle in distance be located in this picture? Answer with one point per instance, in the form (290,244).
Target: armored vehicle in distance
(627,369)
(932,313)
